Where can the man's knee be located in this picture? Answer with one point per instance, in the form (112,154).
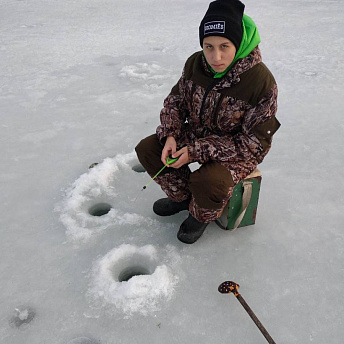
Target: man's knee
(149,152)
(145,146)
(210,185)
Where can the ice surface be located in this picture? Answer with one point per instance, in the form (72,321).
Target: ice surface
(83,340)
(83,82)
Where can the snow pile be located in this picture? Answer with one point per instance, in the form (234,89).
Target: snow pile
(97,191)
(131,278)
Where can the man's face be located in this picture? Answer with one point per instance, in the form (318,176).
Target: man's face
(219,52)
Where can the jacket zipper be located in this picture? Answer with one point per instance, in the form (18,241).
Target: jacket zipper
(209,88)
(216,113)
(193,89)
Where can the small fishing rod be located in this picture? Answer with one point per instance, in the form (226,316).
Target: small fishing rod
(169,161)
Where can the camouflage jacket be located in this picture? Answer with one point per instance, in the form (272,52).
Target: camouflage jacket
(229,120)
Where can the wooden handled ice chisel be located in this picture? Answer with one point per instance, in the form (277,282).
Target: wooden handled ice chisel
(232,287)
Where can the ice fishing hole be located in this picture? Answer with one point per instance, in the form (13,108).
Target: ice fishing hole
(138,168)
(99,209)
(128,273)
(131,261)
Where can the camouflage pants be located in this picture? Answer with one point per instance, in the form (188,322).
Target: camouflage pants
(210,187)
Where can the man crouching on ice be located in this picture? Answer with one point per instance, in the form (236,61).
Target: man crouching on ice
(221,114)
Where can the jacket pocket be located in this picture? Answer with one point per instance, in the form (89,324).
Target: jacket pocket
(266,130)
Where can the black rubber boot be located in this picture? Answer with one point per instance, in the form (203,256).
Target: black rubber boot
(191,230)
(166,207)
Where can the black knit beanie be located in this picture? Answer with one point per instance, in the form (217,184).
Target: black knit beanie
(223,18)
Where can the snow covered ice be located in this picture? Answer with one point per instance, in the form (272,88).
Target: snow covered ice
(83,82)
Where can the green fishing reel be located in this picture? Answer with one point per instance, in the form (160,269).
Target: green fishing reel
(171,160)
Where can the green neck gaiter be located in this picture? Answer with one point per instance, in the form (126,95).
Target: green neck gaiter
(250,39)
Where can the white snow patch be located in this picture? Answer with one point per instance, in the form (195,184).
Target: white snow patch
(145,71)
(97,186)
(22,315)
(140,294)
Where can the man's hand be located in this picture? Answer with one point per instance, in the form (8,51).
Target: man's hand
(169,149)
(183,158)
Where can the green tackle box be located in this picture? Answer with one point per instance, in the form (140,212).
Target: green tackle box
(241,209)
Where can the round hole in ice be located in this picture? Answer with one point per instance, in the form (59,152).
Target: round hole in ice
(126,274)
(99,209)
(129,261)
(138,168)
(131,278)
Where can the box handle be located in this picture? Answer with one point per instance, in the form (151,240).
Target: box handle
(246,197)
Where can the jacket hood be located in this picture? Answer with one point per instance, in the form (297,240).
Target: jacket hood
(250,40)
